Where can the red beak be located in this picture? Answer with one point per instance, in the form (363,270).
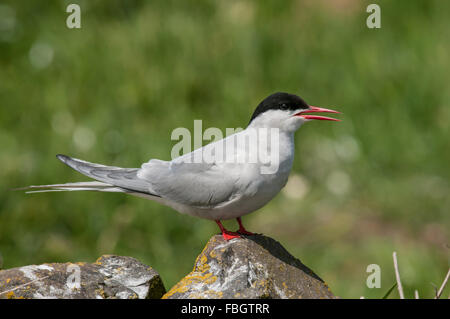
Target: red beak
(313,109)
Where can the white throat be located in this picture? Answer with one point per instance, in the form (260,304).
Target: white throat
(285,121)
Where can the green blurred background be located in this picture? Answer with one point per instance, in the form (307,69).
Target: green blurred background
(113,91)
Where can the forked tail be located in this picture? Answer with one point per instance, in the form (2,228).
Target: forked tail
(109,179)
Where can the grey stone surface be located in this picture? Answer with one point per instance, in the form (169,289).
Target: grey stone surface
(249,267)
(109,277)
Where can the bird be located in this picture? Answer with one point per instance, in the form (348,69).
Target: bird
(216,189)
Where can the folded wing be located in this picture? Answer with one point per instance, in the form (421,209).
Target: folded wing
(200,185)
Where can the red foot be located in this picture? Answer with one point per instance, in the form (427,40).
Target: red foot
(227,235)
(242,230)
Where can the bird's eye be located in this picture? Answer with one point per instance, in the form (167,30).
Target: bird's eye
(283,106)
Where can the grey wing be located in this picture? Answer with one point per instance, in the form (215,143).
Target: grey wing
(200,185)
(125,178)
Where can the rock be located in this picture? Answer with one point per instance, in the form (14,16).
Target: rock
(248,267)
(110,277)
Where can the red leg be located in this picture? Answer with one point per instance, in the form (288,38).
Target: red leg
(242,229)
(227,235)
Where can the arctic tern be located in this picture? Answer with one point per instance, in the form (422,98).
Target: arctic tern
(217,190)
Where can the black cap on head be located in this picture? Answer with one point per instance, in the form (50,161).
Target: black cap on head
(280,101)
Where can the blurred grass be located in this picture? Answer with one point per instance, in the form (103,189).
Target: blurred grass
(113,91)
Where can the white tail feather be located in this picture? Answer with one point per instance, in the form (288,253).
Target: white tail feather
(80,186)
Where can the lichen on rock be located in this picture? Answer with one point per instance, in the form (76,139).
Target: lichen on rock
(110,277)
(248,267)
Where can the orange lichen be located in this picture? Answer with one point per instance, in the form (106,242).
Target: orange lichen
(194,277)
